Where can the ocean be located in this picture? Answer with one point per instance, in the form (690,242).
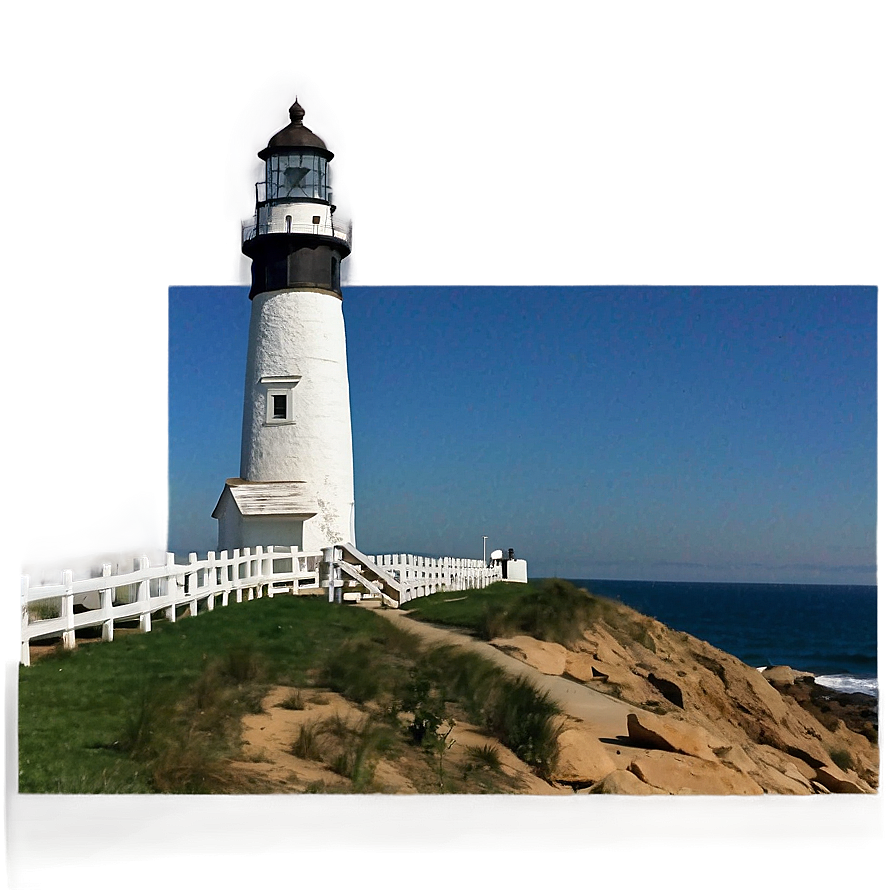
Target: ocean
(829,630)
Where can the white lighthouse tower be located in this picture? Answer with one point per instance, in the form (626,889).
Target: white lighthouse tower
(296,484)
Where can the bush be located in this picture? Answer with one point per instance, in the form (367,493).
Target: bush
(293,700)
(306,745)
(843,760)
(485,756)
(517,713)
(360,670)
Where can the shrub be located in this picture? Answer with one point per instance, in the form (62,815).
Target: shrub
(293,700)
(242,665)
(359,670)
(517,713)
(485,756)
(362,746)
(426,700)
(306,745)
(843,760)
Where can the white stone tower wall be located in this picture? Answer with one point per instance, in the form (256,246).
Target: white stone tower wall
(301,334)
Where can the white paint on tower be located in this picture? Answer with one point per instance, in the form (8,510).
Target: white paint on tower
(297,349)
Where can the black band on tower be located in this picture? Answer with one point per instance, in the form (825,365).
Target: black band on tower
(295,261)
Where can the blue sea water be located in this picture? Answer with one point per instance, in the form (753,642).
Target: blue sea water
(829,630)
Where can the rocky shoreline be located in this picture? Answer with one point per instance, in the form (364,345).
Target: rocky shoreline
(702,721)
(857,711)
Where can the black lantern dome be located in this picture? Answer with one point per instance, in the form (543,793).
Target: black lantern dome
(295,136)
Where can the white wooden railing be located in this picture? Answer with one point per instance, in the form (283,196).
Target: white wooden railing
(61,609)
(425,575)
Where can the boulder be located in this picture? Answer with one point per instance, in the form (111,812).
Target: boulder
(581,667)
(670,690)
(545,656)
(583,758)
(660,733)
(791,771)
(838,781)
(773,781)
(679,774)
(784,675)
(623,782)
(735,757)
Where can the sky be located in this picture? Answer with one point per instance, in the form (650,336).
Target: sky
(656,143)
(658,433)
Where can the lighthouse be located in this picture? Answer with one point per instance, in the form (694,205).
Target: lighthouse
(296,482)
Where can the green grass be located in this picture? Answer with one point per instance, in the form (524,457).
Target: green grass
(518,714)
(485,756)
(547,609)
(81,712)
(160,712)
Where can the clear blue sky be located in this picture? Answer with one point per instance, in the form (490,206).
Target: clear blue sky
(598,431)
(678,433)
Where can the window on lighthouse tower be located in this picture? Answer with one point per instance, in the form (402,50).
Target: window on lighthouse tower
(278,398)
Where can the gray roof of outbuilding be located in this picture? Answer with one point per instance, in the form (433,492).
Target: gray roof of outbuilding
(269,498)
(295,136)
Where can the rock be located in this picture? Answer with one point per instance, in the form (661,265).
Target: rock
(581,667)
(735,757)
(545,656)
(779,675)
(670,690)
(773,781)
(838,781)
(784,675)
(654,732)
(623,782)
(583,758)
(678,774)
(792,772)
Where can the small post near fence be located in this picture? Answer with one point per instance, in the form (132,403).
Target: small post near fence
(190,585)
(143,597)
(267,569)
(25,658)
(326,567)
(106,606)
(68,611)
(171,589)
(225,579)
(211,580)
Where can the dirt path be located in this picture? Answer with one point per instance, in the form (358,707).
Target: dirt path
(605,715)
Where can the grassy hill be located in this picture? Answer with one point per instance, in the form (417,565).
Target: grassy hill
(161,712)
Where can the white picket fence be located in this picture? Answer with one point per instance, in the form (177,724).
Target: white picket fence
(425,575)
(60,609)
(50,610)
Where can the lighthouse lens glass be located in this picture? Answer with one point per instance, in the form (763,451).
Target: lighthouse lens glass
(297,176)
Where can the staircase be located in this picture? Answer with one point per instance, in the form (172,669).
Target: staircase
(378,583)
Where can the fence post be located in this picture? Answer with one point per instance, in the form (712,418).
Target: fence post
(171,589)
(106,606)
(225,579)
(25,657)
(143,597)
(267,569)
(190,585)
(237,575)
(211,580)
(250,573)
(294,567)
(68,611)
